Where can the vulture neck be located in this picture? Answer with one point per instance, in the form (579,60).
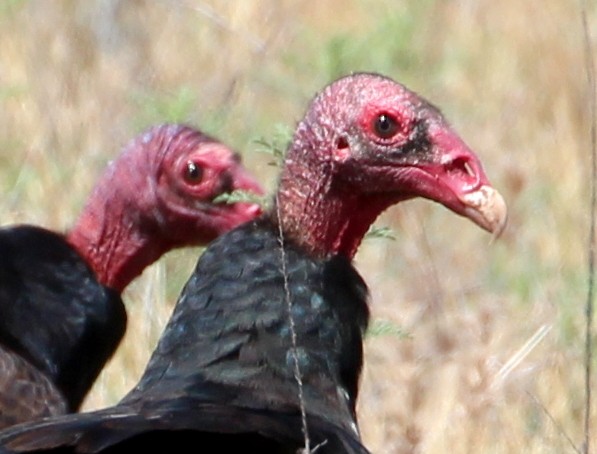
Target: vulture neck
(324,217)
(110,236)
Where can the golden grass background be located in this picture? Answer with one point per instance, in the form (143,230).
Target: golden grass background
(80,78)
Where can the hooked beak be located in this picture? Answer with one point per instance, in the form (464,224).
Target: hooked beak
(459,183)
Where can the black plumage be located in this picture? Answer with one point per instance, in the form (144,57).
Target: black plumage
(224,366)
(58,325)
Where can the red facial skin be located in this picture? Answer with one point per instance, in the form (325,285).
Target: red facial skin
(158,195)
(365,144)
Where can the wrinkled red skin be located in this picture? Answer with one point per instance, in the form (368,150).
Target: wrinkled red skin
(145,204)
(340,174)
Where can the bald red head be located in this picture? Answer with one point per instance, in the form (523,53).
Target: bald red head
(159,195)
(367,142)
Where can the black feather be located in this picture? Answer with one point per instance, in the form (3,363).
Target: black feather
(222,372)
(56,321)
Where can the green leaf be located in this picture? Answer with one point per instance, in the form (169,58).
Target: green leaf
(242,196)
(380,232)
(386,328)
(278,145)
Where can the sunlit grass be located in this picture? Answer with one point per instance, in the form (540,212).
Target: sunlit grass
(78,79)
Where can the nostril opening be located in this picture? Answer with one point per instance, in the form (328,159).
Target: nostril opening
(341,143)
(469,169)
(462,168)
(226,183)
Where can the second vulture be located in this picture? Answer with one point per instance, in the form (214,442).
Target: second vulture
(61,316)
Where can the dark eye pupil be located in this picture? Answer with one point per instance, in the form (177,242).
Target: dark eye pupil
(194,172)
(385,126)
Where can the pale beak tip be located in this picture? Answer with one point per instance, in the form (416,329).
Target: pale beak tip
(487,208)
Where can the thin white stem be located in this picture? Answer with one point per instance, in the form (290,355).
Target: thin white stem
(297,369)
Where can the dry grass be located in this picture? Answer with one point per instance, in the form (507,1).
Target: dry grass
(77,79)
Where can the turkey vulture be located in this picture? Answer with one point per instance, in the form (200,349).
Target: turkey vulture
(277,300)
(61,316)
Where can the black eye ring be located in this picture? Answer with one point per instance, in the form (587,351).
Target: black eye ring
(385,126)
(193,173)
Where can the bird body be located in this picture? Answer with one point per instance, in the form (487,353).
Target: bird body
(58,324)
(249,318)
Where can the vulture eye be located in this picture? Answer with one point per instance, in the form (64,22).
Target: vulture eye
(385,126)
(193,173)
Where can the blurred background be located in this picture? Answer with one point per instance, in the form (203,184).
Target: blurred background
(476,346)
